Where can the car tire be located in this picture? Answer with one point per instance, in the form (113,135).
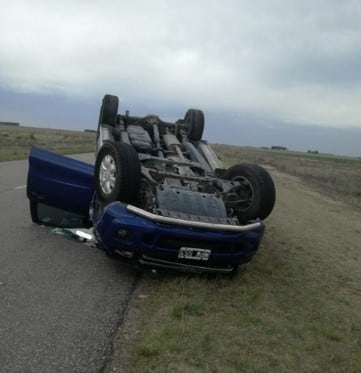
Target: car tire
(194,121)
(254,196)
(117,173)
(109,110)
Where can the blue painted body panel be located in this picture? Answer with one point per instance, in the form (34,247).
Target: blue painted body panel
(60,181)
(162,241)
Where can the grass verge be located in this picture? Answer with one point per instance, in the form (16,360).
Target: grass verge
(15,142)
(282,314)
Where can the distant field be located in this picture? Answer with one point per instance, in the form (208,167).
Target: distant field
(16,141)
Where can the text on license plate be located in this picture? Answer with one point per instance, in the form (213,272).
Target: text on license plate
(194,253)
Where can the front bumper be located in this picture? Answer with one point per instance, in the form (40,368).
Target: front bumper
(156,240)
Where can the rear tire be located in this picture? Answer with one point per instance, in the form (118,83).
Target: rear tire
(109,110)
(194,121)
(255,194)
(117,173)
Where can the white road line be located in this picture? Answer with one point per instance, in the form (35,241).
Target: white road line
(20,187)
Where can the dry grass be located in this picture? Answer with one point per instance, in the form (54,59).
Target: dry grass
(294,309)
(15,142)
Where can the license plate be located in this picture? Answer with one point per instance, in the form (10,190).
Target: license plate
(194,253)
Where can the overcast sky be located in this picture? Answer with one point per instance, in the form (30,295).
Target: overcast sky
(286,61)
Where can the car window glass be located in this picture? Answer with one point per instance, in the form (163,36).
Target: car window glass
(53,216)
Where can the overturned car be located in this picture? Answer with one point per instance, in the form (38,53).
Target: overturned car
(157,195)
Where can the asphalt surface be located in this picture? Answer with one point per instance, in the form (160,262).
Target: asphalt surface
(60,301)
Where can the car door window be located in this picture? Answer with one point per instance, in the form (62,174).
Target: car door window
(56,217)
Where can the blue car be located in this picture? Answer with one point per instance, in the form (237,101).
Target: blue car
(157,195)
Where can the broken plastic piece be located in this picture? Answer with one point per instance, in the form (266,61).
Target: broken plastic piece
(81,235)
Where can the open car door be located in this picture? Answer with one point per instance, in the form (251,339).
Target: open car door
(60,189)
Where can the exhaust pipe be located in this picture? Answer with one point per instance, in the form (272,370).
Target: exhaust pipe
(173,144)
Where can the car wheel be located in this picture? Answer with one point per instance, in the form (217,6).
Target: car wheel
(109,110)
(194,121)
(117,173)
(254,194)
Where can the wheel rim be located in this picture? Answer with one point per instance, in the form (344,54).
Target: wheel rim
(107,174)
(240,197)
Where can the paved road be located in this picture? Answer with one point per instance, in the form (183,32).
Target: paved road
(60,301)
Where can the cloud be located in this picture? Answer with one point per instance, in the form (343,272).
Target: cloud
(296,62)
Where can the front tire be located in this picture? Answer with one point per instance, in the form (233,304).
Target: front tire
(117,173)
(254,194)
